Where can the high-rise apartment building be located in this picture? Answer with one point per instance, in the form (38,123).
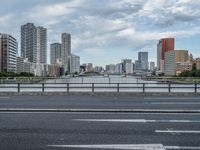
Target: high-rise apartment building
(8,53)
(20,64)
(111,68)
(127,66)
(172,58)
(143,58)
(164,45)
(28,42)
(118,68)
(66,50)
(55,52)
(34,43)
(138,66)
(41,42)
(74,63)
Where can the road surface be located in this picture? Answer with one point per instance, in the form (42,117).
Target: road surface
(48,130)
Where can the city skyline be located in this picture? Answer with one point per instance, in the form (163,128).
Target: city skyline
(103,33)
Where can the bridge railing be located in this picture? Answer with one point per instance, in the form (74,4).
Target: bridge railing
(102,87)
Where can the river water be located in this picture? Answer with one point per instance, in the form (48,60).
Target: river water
(100,84)
(100,79)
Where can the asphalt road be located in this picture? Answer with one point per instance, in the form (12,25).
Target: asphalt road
(99,130)
(100,102)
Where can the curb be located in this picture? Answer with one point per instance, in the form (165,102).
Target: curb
(94,94)
(100,110)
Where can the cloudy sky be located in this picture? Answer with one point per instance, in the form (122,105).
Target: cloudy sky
(106,31)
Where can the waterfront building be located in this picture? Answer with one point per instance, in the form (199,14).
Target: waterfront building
(118,68)
(20,64)
(138,66)
(110,68)
(41,42)
(183,66)
(8,53)
(29,67)
(55,52)
(34,43)
(143,58)
(74,63)
(98,69)
(163,46)
(28,42)
(171,59)
(66,50)
(127,66)
(197,62)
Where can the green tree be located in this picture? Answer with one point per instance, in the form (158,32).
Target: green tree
(194,67)
(185,74)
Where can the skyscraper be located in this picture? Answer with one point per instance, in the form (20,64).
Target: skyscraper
(55,52)
(143,58)
(8,53)
(34,43)
(41,45)
(66,50)
(164,45)
(28,42)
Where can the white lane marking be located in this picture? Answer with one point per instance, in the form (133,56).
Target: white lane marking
(4,97)
(174,103)
(182,147)
(117,146)
(100,110)
(172,98)
(178,131)
(138,120)
(101,113)
(112,120)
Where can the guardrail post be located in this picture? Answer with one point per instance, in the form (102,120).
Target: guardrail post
(143,87)
(169,88)
(43,87)
(117,87)
(18,87)
(67,87)
(195,86)
(109,80)
(92,87)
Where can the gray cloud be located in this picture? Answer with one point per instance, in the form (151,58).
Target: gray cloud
(99,25)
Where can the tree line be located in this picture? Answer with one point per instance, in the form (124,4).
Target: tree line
(193,73)
(13,74)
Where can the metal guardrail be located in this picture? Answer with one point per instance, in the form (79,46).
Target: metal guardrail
(93,87)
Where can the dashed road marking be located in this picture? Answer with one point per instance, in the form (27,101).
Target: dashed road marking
(182,147)
(138,121)
(171,98)
(178,131)
(129,147)
(4,97)
(116,146)
(175,103)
